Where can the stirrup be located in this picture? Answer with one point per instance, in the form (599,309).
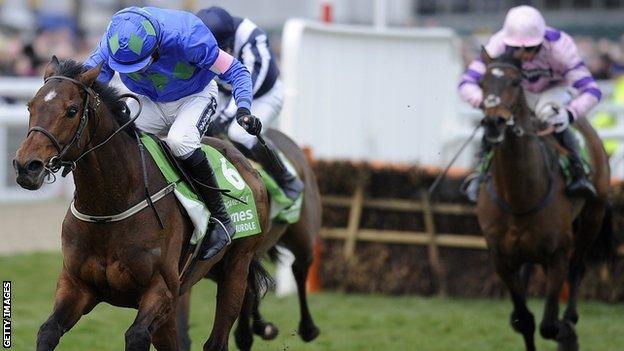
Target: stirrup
(470,191)
(219,223)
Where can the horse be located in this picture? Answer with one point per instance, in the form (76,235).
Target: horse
(298,237)
(523,210)
(80,124)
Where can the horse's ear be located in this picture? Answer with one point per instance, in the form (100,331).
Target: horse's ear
(485,57)
(51,67)
(88,77)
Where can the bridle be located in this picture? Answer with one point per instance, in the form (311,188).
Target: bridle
(520,132)
(493,100)
(57,162)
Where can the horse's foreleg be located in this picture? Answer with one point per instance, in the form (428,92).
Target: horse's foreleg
(551,327)
(155,310)
(165,338)
(521,318)
(232,284)
(72,300)
(182,321)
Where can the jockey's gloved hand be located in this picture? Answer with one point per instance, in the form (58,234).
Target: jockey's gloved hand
(560,119)
(249,122)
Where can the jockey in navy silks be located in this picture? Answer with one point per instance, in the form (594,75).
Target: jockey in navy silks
(170,59)
(247,42)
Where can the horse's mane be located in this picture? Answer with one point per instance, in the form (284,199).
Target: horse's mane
(109,95)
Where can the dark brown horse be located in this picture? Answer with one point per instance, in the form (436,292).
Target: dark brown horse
(132,262)
(299,238)
(524,212)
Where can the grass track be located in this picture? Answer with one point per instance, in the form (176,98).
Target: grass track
(347,322)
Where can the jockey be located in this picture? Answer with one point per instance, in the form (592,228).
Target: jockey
(244,40)
(169,58)
(559,89)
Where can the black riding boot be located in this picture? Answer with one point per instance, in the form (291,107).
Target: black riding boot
(203,176)
(580,185)
(470,186)
(290,183)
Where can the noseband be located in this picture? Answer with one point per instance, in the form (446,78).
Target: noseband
(56,162)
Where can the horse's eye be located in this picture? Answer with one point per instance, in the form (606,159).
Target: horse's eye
(515,82)
(71,111)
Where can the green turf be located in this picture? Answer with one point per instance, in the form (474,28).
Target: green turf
(347,322)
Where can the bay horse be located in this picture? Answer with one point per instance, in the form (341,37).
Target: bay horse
(132,262)
(298,237)
(524,212)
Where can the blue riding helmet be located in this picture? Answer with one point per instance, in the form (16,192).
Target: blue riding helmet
(133,35)
(220,23)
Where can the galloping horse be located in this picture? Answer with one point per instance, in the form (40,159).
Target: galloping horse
(297,237)
(132,262)
(523,210)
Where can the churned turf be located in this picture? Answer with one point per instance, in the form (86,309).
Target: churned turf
(347,322)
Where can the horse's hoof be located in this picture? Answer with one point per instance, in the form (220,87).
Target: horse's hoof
(568,346)
(309,333)
(549,331)
(566,338)
(267,331)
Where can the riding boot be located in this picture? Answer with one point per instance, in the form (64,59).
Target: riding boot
(580,184)
(290,183)
(223,230)
(470,186)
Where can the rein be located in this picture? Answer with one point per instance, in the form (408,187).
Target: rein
(56,162)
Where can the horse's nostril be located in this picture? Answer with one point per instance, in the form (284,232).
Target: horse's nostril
(34,166)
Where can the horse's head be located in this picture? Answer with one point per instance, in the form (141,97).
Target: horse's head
(58,117)
(502,92)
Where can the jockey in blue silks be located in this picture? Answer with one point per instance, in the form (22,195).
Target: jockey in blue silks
(170,59)
(246,41)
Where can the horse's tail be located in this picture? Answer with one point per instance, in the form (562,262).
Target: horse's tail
(604,248)
(259,280)
(274,254)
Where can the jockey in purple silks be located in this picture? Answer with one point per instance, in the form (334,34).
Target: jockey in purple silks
(559,89)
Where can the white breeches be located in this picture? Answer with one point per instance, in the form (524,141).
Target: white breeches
(180,123)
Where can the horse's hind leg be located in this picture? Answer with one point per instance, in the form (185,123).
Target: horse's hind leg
(586,231)
(231,287)
(155,312)
(577,270)
(243,334)
(551,327)
(301,244)
(266,330)
(71,302)
(522,320)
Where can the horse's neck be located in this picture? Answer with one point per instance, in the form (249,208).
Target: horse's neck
(109,180)
(519,170)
